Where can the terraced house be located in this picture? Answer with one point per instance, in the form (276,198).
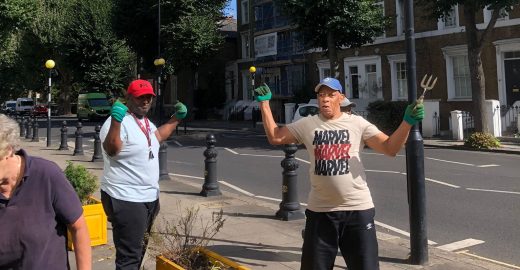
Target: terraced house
(378,71)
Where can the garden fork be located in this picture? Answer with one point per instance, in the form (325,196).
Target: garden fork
(426,85)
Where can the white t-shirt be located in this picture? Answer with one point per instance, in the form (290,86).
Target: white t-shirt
(338,180)
(131,175)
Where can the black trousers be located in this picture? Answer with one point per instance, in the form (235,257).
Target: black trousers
(353,232)
(131,221)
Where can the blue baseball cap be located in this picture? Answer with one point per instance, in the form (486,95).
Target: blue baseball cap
(330,82)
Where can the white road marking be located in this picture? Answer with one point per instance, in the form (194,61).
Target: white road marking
(441,183)
(461,244)
(187,176)
(427,179)
(255,155)
(382,171)
(231,151)
(489,165)
(268,198)
(177,143)
(496,191)
(236,188)
(399,231)
(465,252)
(303,160)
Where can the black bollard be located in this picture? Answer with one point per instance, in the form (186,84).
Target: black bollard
(28,132)
(210,187)
(290,206)
(64,145)
(163,162)
(19,120)
(35,137)
(78,148)
(97,146)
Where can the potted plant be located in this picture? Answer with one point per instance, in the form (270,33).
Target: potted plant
(180,245)
(85,184)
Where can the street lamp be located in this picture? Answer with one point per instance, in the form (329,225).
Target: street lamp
(49,64)
(159,63)
(252,70)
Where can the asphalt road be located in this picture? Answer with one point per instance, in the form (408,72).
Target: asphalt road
(472,197)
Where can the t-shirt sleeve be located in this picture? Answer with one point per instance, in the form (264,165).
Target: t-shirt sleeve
(64,199)
(296,129)
(369,129)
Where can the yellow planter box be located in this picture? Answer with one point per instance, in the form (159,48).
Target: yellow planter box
(96,223)
(164,264)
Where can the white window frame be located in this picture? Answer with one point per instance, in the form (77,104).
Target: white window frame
(323,65)
(449,53)
(244,11)
(399,17)
(382,4)
(393,61)
(441,23)
(361,63)
(245,41)
(266,45)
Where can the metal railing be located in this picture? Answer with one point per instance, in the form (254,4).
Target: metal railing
(509,117)
(468,124)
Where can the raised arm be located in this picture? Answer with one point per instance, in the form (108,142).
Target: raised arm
(275,135)
(391,145)
(112,143)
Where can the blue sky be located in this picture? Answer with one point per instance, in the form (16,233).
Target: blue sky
(231,9)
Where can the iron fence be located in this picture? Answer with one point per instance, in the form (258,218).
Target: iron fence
(509,117)
(468,124)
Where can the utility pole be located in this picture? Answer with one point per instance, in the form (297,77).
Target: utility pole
(415,155)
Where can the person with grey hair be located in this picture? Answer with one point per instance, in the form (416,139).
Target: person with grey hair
(37,206)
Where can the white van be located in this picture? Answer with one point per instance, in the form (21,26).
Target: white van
(24,105)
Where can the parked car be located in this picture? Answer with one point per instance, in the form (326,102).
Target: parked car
(39,110)
(305,110)
(9,107)
(93,106)
(24,106)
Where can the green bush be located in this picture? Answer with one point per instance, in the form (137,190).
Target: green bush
(386,115)
(83,181)
(482,140)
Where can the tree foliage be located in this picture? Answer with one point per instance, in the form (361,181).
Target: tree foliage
(99,59)
(335,24)
(476,40)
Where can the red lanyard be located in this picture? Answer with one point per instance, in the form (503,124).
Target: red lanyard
(145,131)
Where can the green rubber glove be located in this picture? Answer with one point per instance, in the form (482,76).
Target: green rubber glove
(180,110)
(118,111)
(262,93)
(414,113)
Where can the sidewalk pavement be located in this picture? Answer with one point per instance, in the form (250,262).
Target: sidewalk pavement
(251,234)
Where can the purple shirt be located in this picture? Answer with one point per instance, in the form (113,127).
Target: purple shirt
(33,233)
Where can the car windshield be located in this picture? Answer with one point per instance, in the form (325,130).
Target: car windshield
(97,102)
(11,105)
(308,110)
(26,103)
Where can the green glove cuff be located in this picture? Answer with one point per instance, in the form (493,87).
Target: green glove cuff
(262,93)
(414,113)
(118,111)
(409,119)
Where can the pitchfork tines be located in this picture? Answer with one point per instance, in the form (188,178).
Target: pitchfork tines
(426,85)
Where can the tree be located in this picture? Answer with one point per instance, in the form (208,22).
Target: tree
(100,60)
(476,40)
(335,24)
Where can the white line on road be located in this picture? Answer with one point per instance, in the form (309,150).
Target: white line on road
(399,231)
(303,160)
(461,244)
(442,183)
(231,151)
(236,188)
(255,155)
(177,143)
(268,198)
(489,165)
(496,191)
(187,176)
(427,179)
(465,252)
